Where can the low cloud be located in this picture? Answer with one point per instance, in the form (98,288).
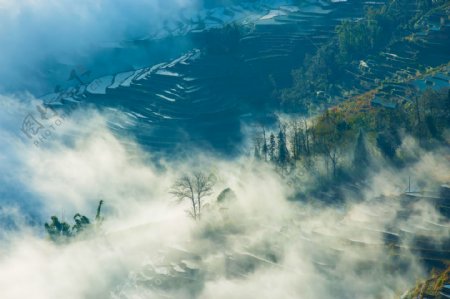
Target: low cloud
(260,244)
(37,38)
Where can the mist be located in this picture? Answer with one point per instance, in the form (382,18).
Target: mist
(264,231)
(41,41)
(260,243)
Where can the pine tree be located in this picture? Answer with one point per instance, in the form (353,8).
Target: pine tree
(265,149)
(283,154)
(62,231)
(57,230)
(361,155)
(272,147)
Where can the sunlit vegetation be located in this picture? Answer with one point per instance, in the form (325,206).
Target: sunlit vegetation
(343,131)
(437,286)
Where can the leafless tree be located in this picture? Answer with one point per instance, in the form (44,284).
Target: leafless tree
(195,188)
(299,138)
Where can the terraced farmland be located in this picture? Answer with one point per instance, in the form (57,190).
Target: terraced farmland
(194,98)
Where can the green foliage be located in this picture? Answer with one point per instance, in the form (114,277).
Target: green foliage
(299,139)
(387,143)
(227,194)
(431,287)
(373,32)
(319,74)
(325,73)
(331,135)
(283,153)
(272,147)
(430,114)
(57,230)
(61,231)
(81,223)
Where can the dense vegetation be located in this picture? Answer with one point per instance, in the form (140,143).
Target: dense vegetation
(345,138)
(433,287)
(325,75)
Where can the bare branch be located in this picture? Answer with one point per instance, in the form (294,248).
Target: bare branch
(195,188)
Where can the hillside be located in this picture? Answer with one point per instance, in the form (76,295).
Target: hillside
(198,149)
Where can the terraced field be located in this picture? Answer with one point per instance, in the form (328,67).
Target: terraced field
(201,98)
(404,66)
(384,233)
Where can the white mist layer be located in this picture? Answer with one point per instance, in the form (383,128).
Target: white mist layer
(35,35)
(260,245)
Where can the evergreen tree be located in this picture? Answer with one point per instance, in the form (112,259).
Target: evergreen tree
(98,217)
(81,223)
(61,231)
(265,149)
(57,230)
(272,147)
(283,153)
(388,142)
(361,154)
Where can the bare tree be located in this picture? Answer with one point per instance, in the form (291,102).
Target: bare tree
(257,147)
(329,139)
(195,188)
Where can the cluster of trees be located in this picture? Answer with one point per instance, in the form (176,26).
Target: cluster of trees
(61,231)
(430,114)
(319,75)
(325,71)
(273,148)
(328,136)
(425,116)
(340,133)
(356,39)
(197,188)
(433,287)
